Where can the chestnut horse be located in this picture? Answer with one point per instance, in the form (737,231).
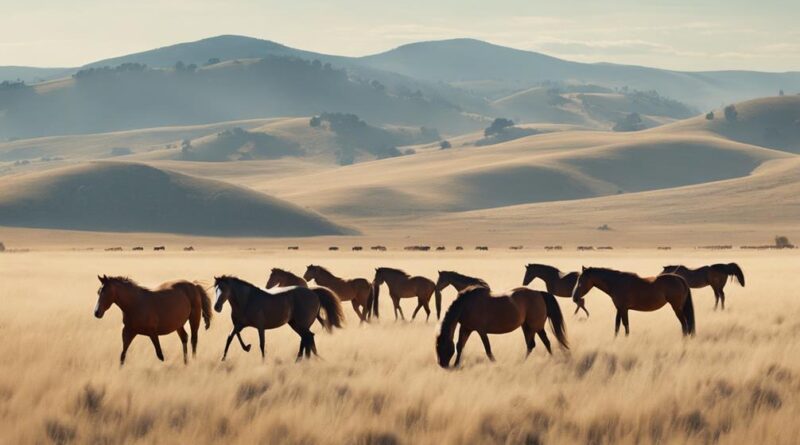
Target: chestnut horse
(457,280)
(558,283)
(296,306)
(715,275)
(155,312)
(402,285)
(357,291)
(476,309)
(629,291)
(284,278)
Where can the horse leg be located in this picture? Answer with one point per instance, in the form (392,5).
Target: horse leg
(359,312)
(399,308)
(184,339)
(617,323)
(261,343)
(545,341)
(427,310)
(722,297)
(625,322)
(302,349)
(530,342)
(244,346)
(716,297)
(311,345)
(679,313)
(127,338)
(234,332)
(414,315)
(582,305)
(486,345)
(157,345)
(463,336)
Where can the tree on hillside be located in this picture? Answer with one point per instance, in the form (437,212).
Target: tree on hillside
(730,113)
(710,116)
(444,145)
(780,93)
(631,122)
(315,121)
(782,242)
(212,61)
(498,126)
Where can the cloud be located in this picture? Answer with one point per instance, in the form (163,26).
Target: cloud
(604,47)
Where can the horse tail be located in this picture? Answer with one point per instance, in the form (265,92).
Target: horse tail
(374,293)
(734,270)
(688,310)
(557,324)
(205,304)
(438,297)
(330,304)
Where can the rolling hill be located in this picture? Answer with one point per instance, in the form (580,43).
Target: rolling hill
(123,197)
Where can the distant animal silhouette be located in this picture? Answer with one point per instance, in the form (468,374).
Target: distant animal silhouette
(402,285)
(357,291)
(477,310)
(159,248)
(357,248)
(296,306)
(333,248)
(714,275)
(558,283)
(481,248)
(188,249)
(138,248)
(294,247)
(155,312)
(629,291)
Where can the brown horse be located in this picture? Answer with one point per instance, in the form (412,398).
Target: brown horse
(402,285)
(457,280)
(715,275)
(629,291)
(296,306)
(358,290)
(476,309)
(558,283)
(155,312)
(284,278)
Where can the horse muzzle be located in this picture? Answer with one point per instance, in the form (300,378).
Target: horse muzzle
(218,307)
(98,313)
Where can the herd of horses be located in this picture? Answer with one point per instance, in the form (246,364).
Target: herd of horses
(288,299)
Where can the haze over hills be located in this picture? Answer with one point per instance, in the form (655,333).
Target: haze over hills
(123,197)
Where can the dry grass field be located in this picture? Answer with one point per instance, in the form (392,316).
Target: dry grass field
(737,381)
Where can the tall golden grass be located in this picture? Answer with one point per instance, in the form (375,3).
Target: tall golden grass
(738,381)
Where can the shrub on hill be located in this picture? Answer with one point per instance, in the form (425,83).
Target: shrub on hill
(730,113)
(631,122)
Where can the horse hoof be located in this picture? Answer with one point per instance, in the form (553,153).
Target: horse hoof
(247,348)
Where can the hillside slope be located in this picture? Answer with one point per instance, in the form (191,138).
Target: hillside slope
(121,197)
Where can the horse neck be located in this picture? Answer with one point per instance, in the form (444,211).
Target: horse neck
(240,295)
(547,274)
(126,297)
(391,279)
(605,281)
(326,278)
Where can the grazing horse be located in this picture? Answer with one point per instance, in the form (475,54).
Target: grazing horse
(155,312)
(402,285)
(296,306)
(476,309)
(715,275)
(558,283)
(629,291)
(358,290)
(284,278)
(457,280)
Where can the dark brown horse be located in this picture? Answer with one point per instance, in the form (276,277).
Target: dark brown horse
(558,283)
(476,309)
(155,312)
(358,291)
(715,275)
(457,280)
(402,285)
(296,306)
(284,278)
(629,291)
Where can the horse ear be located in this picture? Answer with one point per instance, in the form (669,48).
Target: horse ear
(583,268)
(102,279)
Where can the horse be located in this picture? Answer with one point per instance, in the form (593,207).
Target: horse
(715,275)
(476,309)
(457,280)
(284,278)
(296,306)
(155,312)
(558,283)
(358,290)
(402,285)
(629,291)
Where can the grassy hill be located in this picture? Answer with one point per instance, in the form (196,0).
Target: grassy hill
(122,197)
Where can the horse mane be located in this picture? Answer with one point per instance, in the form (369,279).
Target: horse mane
(392,271)
(454,311)
(606,270)
(548,268)
(237,282)
(463,277)
(284,271)
(123,280)
(324,270)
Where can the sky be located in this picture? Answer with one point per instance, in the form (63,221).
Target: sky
(679,34)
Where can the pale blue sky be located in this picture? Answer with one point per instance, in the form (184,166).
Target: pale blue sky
(678,34)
